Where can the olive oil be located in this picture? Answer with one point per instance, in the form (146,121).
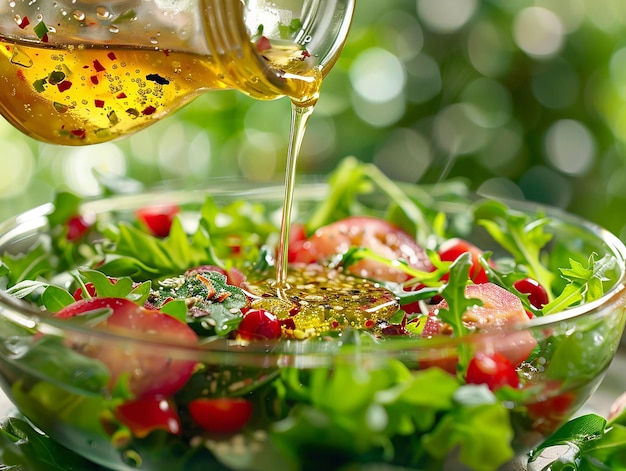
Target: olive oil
(78,95)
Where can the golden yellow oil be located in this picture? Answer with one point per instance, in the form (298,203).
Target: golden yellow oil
(75,95)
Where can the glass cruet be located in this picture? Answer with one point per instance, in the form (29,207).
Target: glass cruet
(78,72)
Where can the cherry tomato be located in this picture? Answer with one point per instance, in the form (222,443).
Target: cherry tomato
(222,415)
(258,324)
(148,414)
(77,226)
(451,249)
(495,370)
(500,310)
(537,294)
(378,235)
(158,219)
(554,409)
(150,372)
(298,249)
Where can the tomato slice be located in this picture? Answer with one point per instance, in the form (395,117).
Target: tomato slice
(146,415)
(500,310)
(151,372)
(223,415)
(378,235)
(158,219)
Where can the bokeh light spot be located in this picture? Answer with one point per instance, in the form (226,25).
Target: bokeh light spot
(538,31)
(570,147)
(544,185)
(490,100)
(456,132)
(617,68)
(404,156)
(17,164)
(487,49)
(379,114)
(423,79)
(500,188)
(79,164)
(258,155)
(502,149)
(556,85)
(446,16)
(377,75)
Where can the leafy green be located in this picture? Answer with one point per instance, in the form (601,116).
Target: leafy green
(585,283)
(591,443)
(389,405)
(522,236)
(48,357)
(22,448)
(26,266)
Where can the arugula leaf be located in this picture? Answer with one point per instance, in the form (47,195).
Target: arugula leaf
(454,294)
(585,284)
(522,236)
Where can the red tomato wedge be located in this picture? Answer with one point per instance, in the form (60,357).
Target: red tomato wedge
(150,372)
(378,235)
(500,310)
(143,416)
(223,415)
(158,219)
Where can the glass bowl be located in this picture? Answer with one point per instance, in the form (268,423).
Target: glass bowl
(345,401)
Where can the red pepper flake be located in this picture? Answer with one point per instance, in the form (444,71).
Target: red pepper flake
(24,22)
(65,85)
(20,74)
(368,324)
(263,44)
(99,103)
(166,52)
(98,66)
(94,79)
(148,110)
(44,38)
(80,133)
(305,54)
(111,55)
(120,95)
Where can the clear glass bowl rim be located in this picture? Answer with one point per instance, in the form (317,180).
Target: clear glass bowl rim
(33,221)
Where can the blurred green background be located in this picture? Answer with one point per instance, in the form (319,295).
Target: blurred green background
(521,98)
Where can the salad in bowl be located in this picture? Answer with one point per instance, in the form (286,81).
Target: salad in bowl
(420,327)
